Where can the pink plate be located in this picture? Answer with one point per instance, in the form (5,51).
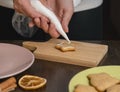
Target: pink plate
(14,59)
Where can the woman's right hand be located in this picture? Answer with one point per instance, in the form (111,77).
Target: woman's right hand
(25,7)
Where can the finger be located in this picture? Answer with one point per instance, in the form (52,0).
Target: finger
(31,24)
(53,32)
(29,10)
(44,24)
(19,10)
(16,6)
(37,22)
(66,19)
(59,14)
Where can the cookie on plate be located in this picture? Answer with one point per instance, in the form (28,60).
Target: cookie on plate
(102,81)
(115,88)
(84,88)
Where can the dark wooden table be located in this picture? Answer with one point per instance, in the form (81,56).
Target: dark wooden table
(59,74)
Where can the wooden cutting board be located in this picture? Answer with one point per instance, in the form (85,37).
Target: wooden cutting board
(86,54)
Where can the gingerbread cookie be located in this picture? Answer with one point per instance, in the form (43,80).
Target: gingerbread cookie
(115,88)
(102,81)
(84,88)
(64,47)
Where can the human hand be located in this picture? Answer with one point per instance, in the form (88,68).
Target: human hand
(64,11)
(24,7)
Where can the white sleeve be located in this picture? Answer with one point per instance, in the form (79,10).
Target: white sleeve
(76,3)
(6,3)
(88,4)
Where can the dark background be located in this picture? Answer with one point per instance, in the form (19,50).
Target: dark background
(111,21)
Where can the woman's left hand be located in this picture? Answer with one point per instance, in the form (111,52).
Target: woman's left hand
(64,11)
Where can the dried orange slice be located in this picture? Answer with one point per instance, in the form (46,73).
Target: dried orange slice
(30,82)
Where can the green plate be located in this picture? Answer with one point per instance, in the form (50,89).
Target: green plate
(81,77)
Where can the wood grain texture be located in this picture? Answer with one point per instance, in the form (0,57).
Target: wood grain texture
(86,54)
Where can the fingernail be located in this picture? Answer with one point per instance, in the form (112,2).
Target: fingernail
(30,24)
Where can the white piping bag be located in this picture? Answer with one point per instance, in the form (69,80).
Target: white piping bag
(45,11)
(48,13)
